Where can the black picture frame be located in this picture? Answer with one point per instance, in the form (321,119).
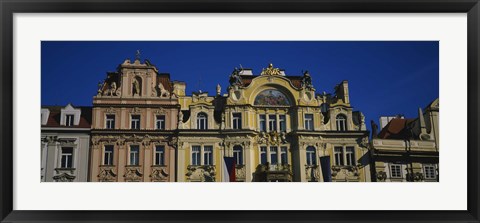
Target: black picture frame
(9,7)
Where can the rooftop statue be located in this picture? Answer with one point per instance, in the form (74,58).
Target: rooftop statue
(307,80)
(235,78)
(270,70)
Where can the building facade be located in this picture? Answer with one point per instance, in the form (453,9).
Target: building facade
(408,149)
(277,129)
(133,126)
(65,143)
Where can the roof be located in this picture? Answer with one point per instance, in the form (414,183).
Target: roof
(54,117)
(398,129)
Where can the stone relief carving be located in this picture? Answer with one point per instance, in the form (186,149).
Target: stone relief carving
(159,174)
(133,174)
(64,177)
(201,173)
(312,173)
(107,174)
(381,176)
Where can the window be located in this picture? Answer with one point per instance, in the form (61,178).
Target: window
(283,123)
(238,155)
(263,155)
(134,155)
(202,121)
(311,156)
(350,156)
(237,120)
(341,123)
(67,157)
(208,155)
(273,155)
(283,155)
(263,123)
(160,122)
(196,155)
(272,122)
(135,122)
(108,155)
(159,155)
(110,122)
(429,171)
(338,154)
(308,121)
(69,120)
(396,171)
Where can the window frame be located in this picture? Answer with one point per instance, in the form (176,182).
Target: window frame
(400,171)
(161,156)
(69,120)
(309,121)
(202,116)
(237,120)
(343,120)
(136,158)
(109,121)
(311,152)
(67,155)
(238,155)
(425,166)
(262,123)
(160,122)
(132,121)
(111,155)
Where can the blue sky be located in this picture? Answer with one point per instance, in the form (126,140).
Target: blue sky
(385,78)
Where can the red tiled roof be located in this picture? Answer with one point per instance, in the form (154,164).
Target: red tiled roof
(54,117)
(396,129)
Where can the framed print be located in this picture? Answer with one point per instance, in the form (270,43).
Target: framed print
(239,111)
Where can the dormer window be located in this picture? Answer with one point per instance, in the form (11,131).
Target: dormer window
(44,117)
(69,120)
(202,121)
(341,123)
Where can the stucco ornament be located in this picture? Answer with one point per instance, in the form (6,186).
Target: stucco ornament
(159,174)
(133,174)
(107,174)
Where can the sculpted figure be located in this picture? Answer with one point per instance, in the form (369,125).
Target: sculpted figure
(163,91)
(136,87)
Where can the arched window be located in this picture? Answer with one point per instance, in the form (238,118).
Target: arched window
(341,123)
(202,121)
(238,155)
(311,156)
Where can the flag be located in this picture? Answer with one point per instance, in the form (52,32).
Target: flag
(228,169)
(326,171)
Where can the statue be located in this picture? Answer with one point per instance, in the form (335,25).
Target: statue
(235,79)
(307,80)
(219,89)
(283,137)
(374,129)
(180,117)
(270,70)
(163,91)
(113,88)
(100,85)
(136,87)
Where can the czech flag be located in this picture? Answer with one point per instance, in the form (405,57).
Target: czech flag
(228,169)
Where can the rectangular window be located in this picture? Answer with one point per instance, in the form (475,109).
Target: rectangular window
(311,157)
(283,155)
(338,154)
(208,155)
(237,120)
(196,155)
(350,156)
(238,155)
(110,122)
(69,120)
(134,155)
(273,155)
(263,123)
(67,157)
(283,123)
(429,171)
(160,122)
(263,155)
(159,155)
(272,122)
(135,121)
(308,121)
(108,155)
(396,171)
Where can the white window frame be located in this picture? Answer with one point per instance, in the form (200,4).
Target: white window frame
(161,154)
(62,154)
(207,154)
(130,155)
(237,121)
(238,153)
(69,120)
(201,152)
(160,121)
(308,123)
(282,121)
(400,168)
(268,154)
(283,152)
(132,123)
(110,121)
(202,117)
(341,122)
(350,155)
(111,154)
(338,154)
(425,166)
(272,123)
(312,155)
(264,120)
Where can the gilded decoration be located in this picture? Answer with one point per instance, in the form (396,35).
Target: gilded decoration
(270,70)
(271,97)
